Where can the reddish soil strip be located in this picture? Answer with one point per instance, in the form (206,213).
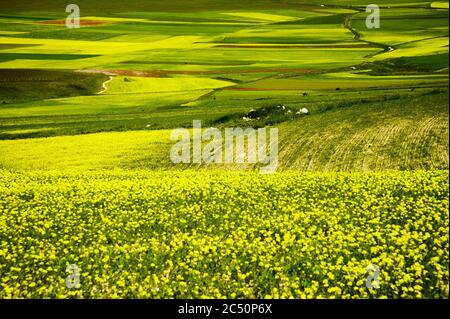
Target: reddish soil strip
(85,23)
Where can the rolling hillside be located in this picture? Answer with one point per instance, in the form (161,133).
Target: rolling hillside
(91,205)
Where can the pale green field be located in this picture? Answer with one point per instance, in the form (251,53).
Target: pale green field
(132,85)
(87,152)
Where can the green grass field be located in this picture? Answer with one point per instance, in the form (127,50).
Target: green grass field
(85,122)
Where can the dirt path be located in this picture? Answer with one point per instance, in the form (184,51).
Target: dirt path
(104,87)
(357,37)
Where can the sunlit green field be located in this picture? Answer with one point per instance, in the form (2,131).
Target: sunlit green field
(86,177)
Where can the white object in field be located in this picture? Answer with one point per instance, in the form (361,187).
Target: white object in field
(303,111)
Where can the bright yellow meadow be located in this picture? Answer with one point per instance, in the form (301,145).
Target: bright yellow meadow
(185,234)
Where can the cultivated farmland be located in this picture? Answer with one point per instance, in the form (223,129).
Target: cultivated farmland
(86,177)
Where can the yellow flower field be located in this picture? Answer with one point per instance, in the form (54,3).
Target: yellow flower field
(186,234)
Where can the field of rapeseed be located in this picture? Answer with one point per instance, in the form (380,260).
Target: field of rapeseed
(221,234)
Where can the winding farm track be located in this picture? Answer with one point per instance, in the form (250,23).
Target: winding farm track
(358,38)
(348,141)
(104,87)
(109,73)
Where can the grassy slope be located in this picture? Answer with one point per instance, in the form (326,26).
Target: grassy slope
(18,85)
(402,134)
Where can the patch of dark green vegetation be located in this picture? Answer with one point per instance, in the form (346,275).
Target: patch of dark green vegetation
(71,34)
(31,56)
(25,17)
(408,65)
(269,115)
(15,26)
(330,19)
(20,85)
(7,46)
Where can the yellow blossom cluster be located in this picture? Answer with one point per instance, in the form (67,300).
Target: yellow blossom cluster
(217,234)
